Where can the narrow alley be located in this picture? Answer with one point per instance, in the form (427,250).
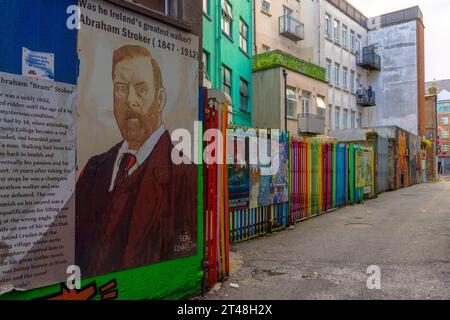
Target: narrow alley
(406,233)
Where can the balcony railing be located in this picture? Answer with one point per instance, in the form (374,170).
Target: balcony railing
(311,123)
(365,99)
(291,28)
(369,59)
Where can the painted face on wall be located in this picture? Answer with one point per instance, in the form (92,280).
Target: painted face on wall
(138,103)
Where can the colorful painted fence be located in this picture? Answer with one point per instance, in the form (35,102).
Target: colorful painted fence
(321,176)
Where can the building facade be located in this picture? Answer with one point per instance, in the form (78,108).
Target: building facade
(289,89)
(431,134)
(341,38)
(443,107)
(399,39)
(227,53)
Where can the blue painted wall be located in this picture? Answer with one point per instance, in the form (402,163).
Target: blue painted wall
(39,25)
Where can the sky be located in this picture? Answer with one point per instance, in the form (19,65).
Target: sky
(436,15)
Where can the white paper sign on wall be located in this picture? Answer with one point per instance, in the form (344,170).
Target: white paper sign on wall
(38,64)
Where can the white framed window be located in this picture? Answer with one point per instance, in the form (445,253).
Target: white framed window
(345,36)
(291,102)
(444,134)
(337,71)
(243,96)
(330,112)
(337,117)
(345,118)
(328,26)
(226,80)
(353,120)
(444,120)
(227,18)
(352,81)
(344,77)
(205,62)
(360,120)
(445,147)
(358,44)
(265,6)
(336,30)
(328,69)
(306,102)
(243,36)
(352,40)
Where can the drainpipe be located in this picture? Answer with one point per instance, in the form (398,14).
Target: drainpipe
(218,33)
(255,47)
(285,74)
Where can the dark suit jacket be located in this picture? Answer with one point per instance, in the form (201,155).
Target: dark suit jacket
(151,218)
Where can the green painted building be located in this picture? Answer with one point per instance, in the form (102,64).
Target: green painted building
(227,53)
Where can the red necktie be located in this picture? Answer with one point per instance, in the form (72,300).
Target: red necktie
(126,163)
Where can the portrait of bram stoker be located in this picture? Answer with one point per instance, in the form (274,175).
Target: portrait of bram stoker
(133,205)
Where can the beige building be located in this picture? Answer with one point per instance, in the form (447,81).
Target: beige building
(285,75)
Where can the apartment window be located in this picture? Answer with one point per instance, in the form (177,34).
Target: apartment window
(444,134)
(306,101)
(345,118)
(206,6)
(205,63)
(265,6)
(227,18)
(344,77)
(321,112)
(291,102)
(330,112)
(352,81)
(445,147)
(358,44)
(337,70)
(243,92)
(358,80)
(360,120)
(352,40)
(344,36)
(328,70)
(243,36)
(328,25)
(353,120)
(265,48)
(336,27)
(337,117)
(226,80)
(444,120)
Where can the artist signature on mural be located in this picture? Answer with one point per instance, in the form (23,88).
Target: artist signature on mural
(89,292)
(185,243)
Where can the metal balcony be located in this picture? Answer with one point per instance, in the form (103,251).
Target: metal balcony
(291,28)
(369,59)
(311,123)
(364,100)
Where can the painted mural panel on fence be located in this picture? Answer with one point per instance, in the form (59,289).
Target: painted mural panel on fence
(259,183)
(279,189)
(238,171)
(364,169)
(138,82)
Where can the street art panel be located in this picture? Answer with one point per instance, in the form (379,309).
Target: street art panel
(364,164)
(239,172)
(279,188)
(138,82)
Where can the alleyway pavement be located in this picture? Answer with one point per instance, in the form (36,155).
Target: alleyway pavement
(405,233)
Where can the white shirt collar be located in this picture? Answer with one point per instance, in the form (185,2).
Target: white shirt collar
(141,155)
